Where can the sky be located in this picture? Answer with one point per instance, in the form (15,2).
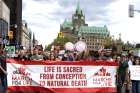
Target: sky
(45,16)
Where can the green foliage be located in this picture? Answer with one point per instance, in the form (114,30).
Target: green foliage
(61,41)
(108,42)
(128,46)
(47,48)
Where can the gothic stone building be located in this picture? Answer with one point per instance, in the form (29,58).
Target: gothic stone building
(76,29)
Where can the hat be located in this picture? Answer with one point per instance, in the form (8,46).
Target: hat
(118,57)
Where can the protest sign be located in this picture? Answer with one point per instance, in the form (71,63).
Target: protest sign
(135,72)
(62,77)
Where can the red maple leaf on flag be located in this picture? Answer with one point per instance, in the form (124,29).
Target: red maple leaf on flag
(102,72)
(21,69)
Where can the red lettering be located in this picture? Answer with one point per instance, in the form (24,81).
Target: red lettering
(70,76)
(79,83)
(49,69)
(14,77)
(58,83)
(72,69)
(42,83)
(46,76)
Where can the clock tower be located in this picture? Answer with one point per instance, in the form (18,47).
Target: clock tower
(78,18)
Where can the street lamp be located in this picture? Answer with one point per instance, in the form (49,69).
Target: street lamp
(132,10)
(13,25)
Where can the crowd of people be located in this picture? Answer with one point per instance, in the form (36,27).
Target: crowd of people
(123,81)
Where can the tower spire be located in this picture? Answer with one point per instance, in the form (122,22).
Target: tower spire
(119,35)
(78,9)
(78,5)
(34,39)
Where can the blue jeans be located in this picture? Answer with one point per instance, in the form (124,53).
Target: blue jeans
(3,77)
(135,86)
(139,86)
(1,87)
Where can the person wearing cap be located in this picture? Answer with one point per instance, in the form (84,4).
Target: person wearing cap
(118,59)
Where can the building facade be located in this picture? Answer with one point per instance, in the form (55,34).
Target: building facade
(70,26)
(93,36)
(26,36)
(77,29)
(4,22)
(15,7)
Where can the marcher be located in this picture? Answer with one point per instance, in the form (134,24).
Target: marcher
(21,55)
(36,56)
(136,83)
(2,72)
(102,55)
(122,75)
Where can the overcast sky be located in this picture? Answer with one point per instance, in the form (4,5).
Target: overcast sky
(45,16)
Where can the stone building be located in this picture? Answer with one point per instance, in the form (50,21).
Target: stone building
(4,23)
(26,36)
(77,29)
(93,36)
(15,7)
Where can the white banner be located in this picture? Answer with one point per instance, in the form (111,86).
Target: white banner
(66,75)
(135,72)
(58,76)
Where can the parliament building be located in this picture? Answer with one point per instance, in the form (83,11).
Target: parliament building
(77,29)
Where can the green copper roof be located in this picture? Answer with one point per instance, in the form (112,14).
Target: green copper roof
(78,9)
(67,24)
(93,29)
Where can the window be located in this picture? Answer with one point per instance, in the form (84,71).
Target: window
(75,17)
(3,28)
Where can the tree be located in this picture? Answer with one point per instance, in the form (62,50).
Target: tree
(108,42)
(60,41)
(47,48)
(128,46)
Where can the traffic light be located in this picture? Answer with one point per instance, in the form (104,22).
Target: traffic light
(131,11)
(60,34)
(10,34)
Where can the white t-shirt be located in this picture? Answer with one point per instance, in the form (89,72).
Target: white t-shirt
(129,64)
